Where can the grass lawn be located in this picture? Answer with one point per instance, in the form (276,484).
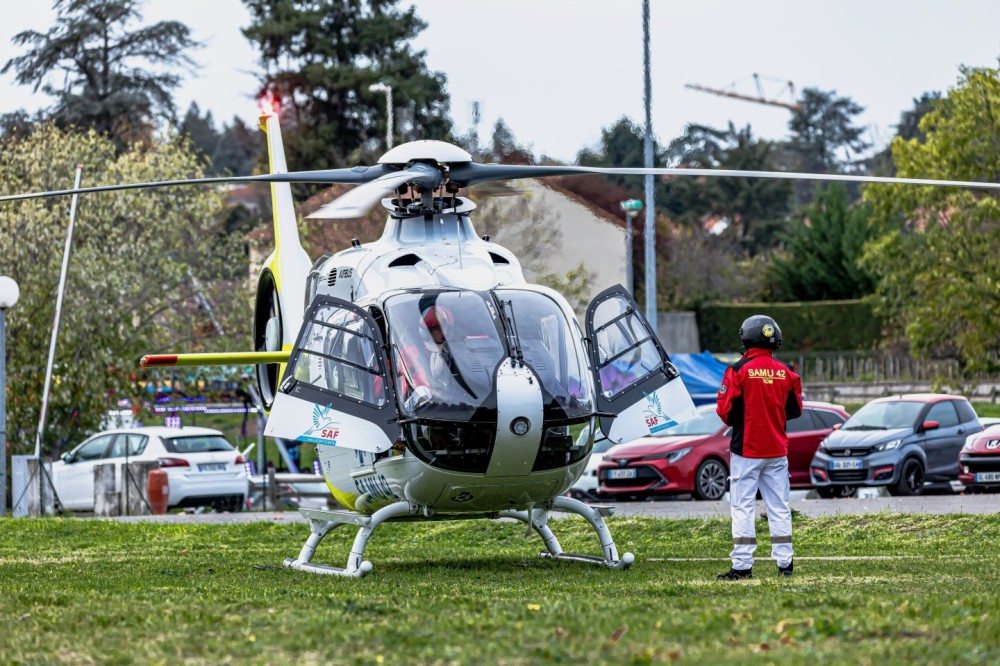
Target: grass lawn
(86,591)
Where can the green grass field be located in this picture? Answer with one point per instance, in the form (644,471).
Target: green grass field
(899,589)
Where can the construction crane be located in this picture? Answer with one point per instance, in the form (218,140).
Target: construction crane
(760,98)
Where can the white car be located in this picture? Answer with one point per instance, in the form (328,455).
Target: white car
(202,467)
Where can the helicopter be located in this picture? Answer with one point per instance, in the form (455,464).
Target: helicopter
(435,381)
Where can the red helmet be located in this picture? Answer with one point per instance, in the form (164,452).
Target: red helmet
(436,315)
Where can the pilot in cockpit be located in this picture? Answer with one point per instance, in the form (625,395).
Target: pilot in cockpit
(428,366)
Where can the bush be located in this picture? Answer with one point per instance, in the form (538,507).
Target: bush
(806,326)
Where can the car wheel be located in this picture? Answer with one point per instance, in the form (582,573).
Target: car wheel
(911,479)
(711,480)
(836,492)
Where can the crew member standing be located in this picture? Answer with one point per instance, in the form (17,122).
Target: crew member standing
(758,395)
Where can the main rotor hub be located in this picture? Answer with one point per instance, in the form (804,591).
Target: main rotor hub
(426,151)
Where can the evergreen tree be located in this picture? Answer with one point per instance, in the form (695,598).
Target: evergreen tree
(102,59)
(321,56)
(822,252)
(200,131)
(824,136)
(754,208)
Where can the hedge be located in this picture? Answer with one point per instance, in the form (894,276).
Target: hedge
(805,326)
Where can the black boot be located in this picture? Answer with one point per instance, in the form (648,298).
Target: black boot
(786,571)
(736,574)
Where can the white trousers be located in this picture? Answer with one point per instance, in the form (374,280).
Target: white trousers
(770,476)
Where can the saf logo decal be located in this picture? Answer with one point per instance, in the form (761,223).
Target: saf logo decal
(656,420)
(993,444)
(324,429)
(767,330)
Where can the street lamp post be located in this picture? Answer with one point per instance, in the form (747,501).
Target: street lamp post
(647,100)
(8,298)
(383,88)
(631,208)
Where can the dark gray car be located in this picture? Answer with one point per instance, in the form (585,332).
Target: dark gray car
(903,442)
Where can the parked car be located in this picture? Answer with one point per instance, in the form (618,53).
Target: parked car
(979,460)
(202,467)
(693,457)
(903,442)
(585,487)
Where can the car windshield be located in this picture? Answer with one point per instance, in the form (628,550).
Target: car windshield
(706,423)
(196,444)
(884,415)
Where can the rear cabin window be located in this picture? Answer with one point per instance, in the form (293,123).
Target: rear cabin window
(829,419)
(944,413)
(802,423)
(966,413)
(196,444)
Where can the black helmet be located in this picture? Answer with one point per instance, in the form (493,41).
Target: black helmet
(760,331)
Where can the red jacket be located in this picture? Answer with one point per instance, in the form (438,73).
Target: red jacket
(758,394)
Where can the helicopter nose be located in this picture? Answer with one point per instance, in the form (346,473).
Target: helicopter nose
(519,421)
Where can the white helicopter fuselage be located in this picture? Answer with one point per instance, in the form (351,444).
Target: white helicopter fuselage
(420,255)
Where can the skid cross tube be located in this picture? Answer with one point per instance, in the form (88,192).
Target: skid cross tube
(593,515)
(322,522)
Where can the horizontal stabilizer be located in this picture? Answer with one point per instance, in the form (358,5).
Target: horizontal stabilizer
(221,358)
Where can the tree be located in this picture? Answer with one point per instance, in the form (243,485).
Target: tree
(822,251)
(823,132)
(129,290)
(623,145)
(934,255)
(200,131)
(754,208)
(321,58)
(102,57)
(233,151)
(908,128)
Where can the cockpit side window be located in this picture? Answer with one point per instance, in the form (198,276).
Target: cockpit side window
(339,354)
(625,351)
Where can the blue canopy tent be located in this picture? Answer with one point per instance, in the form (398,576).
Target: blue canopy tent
(701,374)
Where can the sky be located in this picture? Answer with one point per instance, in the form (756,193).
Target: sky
(558,71)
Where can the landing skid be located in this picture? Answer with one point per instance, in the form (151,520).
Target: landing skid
(593,514)
(322,522)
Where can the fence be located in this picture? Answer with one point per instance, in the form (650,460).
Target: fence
(847,367)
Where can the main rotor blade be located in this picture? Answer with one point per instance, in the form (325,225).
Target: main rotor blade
(472,173)
(357,202)
(352,176)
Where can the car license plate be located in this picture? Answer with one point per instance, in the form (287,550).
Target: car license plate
(621,474)
(987,477)
(847,463)
(212,467)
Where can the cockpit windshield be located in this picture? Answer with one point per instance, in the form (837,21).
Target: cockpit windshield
(445,349)
(552,349)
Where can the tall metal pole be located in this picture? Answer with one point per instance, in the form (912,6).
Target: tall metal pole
(3,411)
(630,281)
(387,89)
(9,293)
(389,114)
(647,98)
(55,326)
